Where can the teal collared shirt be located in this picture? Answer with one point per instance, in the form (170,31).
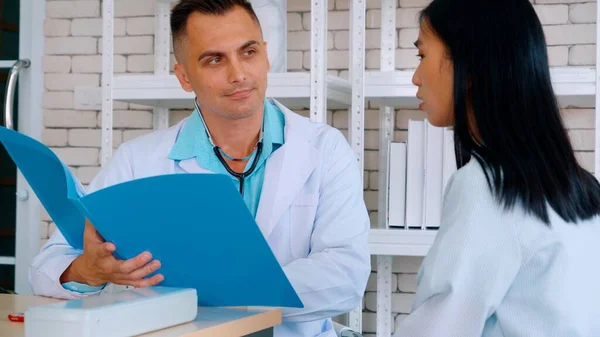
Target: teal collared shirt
(193,142)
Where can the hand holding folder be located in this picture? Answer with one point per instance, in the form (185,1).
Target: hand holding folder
(97,265)
(196,225)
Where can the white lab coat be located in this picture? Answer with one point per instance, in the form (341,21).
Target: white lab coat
(311,212)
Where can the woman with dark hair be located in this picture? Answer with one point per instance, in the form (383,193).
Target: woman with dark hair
(517,250)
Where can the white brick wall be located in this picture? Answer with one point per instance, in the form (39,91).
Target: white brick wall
(90,137)
(69,118)
(134,8)
(73,46)
(93,27)
(70,45)
(55,137)
(73,9)
(128,45)
(93,64)
(58,100)
(73,59)
(87,173)
(558,56)
(78,156)
(583,13)
(570,34)
(140,26)
(583,55)
(57,64)
(553,14)
(67,82)
(56,27)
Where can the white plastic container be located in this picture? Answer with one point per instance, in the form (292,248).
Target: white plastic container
(126,313)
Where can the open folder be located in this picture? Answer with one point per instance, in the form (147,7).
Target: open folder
(196,225)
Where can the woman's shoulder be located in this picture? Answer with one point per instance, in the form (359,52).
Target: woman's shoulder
(472,214)
(469,182)
(469,201)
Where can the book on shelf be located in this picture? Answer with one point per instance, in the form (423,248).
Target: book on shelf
(432,195)
(419,170)
(415,173)
(397,185)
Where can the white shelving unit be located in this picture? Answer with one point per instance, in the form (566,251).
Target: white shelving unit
(164,91)
(400,242)
(573,86)
(392,89)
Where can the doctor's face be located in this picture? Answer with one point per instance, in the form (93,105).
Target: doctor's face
(434,78)
(223,60)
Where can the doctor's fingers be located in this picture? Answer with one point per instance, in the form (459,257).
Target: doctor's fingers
(138,276)
(147,282)
(142,272)
(135,263)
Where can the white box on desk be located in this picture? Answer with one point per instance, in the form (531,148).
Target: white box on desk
(125,313)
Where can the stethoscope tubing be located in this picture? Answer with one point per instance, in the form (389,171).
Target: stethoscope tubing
(240,176)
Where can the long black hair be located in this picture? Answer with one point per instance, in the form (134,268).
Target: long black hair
(502,78)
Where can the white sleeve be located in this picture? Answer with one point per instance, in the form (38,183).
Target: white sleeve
(47,267)
(470,267)
(57,255)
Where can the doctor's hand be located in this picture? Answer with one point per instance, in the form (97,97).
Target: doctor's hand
(97,265)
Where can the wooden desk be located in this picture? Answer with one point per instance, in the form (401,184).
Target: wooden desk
(220,322)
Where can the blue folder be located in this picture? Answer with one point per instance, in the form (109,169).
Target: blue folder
(196,225)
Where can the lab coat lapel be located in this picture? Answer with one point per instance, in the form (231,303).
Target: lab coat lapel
(191,166)
(287,171)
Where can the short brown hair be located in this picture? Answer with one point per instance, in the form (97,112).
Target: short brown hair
(184,8)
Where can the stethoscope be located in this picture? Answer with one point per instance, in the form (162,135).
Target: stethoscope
(220,153)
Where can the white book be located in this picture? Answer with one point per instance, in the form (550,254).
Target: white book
(397,186)
(449,158)
(432,196)
(415,174)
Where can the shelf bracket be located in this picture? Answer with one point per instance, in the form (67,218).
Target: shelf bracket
(318,61)
(108,19)
(162,57)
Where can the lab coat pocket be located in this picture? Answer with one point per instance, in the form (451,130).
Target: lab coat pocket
(302,217)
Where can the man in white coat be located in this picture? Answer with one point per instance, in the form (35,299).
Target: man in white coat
(299,179)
